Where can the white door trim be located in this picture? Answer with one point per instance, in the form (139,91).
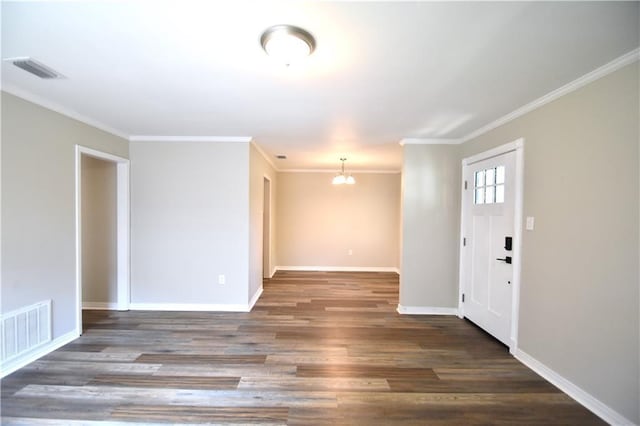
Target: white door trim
(122,228)
(518,147)
(269,271)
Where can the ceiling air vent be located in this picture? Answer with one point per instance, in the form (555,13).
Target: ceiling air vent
(34,67)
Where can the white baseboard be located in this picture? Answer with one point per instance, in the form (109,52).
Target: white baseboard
(102,306)
(203,307)
(39,352)
(255,298)
(339,268)
(590,402)
(426,310)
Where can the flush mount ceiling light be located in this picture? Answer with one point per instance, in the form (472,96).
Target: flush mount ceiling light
(342,178)
(287,43)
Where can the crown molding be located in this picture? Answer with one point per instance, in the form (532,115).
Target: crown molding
(333,171)
(429,141)
(159,138)
(55,107)
(582,81)
(265,155)
(590,77)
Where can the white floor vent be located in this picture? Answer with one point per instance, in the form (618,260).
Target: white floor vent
(25,329)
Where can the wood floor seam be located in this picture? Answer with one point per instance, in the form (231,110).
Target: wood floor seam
(318,348)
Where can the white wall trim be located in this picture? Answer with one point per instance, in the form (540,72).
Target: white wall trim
(334,171)
(461,246)
(187,138)
(429,141)
(264,155)
(340,268)
(494,152)
(271,222)
(41,351)
(273,271)
(123,266)
(600,72)
(425,310)
(590,402)
(123,235)
(100,306)
(203,307)
(518,214)
(67,112)
(590,77)
(572,86)
(102,155)
(255,298)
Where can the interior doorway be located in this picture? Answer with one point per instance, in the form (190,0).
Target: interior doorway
(98,217)
(104,165)
(266,229)
(491,222)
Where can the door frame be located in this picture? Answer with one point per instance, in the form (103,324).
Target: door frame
(267,272)
(518,147)
(122,228)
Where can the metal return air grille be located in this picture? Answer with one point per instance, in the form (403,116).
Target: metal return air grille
(34,67)
(25,329)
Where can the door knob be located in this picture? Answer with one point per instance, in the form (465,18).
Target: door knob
(507,259)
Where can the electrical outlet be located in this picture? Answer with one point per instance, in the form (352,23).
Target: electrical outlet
(221,279)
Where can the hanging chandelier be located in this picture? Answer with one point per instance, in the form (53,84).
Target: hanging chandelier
(341,178)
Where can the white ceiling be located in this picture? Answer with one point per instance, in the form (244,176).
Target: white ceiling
(382,71)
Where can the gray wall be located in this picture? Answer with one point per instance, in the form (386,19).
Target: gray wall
(38,205)
(99,284)
(430,225)
(579,293)
(189,222)
(318,223)
(259,168)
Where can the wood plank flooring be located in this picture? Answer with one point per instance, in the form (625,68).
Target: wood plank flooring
(319,348)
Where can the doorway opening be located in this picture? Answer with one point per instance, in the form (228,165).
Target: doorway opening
(98,216)
(491,240)
(266,229)
(102,231)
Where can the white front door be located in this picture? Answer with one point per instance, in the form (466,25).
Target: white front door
(487,271)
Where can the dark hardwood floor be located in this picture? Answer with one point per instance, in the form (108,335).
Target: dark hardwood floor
(318,348)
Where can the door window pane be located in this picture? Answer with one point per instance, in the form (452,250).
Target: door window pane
(489,186)
(500,174)
(490,175)
(490,194)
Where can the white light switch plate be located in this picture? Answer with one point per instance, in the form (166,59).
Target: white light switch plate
(530,223)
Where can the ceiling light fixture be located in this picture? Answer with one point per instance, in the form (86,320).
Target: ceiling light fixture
(342,178)
(287,43)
